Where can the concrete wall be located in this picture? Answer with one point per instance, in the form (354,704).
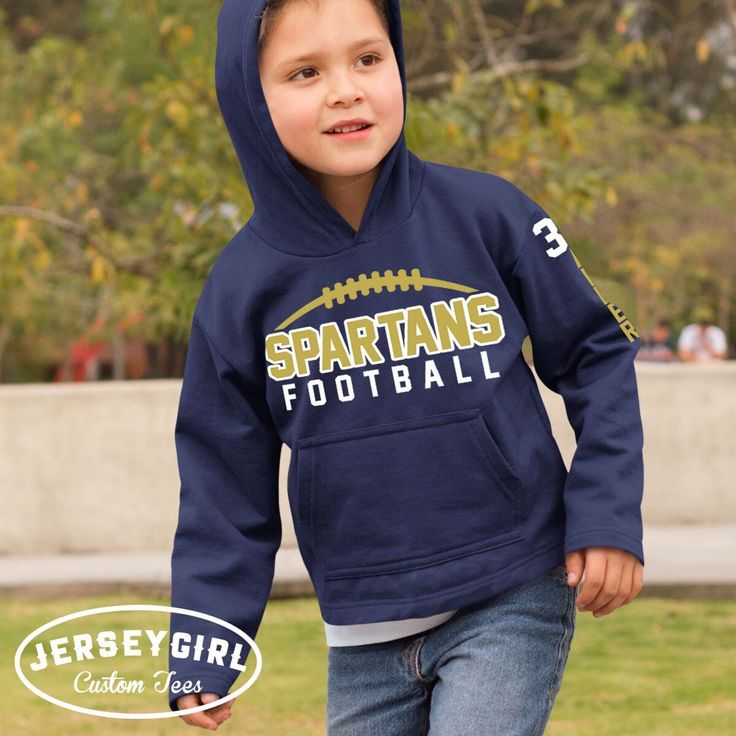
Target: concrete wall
(91,467)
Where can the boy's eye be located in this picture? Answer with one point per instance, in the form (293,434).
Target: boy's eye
(312,69)
(301,71)
(370,56)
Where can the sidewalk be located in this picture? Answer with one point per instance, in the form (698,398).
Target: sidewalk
(697,560)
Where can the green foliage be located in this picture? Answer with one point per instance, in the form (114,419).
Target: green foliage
(119,185)
(521,129)
(121,137)
(666,231)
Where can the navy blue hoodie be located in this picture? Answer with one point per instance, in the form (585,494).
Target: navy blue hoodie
(424,475)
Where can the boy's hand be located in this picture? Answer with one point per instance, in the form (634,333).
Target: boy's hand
(613,577)
(209,719)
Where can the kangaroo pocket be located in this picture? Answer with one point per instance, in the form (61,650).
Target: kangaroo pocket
(408,494)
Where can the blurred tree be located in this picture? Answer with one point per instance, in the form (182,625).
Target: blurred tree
(29,20)
(119,185)
(693,76)
(668,232)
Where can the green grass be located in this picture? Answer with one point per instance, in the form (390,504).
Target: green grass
(660,667)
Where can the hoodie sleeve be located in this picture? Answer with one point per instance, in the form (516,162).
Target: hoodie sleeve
(229,527)
(584,349)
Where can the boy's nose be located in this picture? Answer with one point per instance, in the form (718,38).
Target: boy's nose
(342,88)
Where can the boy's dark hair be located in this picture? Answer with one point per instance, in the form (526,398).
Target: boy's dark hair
(272,8)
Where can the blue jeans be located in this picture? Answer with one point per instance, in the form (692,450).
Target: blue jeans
(493,669)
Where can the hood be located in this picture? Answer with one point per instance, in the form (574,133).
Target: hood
(312,226)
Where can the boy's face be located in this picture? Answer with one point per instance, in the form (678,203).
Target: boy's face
(315,73)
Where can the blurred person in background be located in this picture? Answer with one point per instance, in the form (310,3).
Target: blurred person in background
(702,341)
(658,345)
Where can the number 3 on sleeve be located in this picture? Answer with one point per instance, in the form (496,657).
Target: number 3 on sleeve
(552,235)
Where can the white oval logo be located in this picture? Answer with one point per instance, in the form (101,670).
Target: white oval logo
(136,607)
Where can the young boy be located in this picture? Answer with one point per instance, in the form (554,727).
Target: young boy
(370,314)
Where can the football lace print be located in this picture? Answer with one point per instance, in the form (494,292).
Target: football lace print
(375,283)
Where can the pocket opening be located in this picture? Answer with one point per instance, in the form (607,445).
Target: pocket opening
(489,448)
(541,410)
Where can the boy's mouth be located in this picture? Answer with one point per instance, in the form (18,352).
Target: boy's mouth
(348,130)
(351,132)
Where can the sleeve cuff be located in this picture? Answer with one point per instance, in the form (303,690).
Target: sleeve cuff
(604,538)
